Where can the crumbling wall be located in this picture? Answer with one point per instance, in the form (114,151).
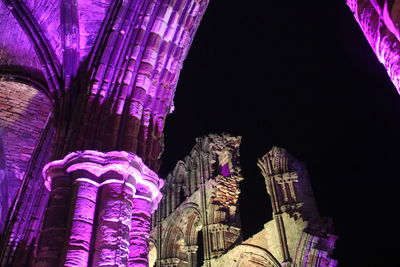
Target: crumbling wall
(297,235)
(201,194)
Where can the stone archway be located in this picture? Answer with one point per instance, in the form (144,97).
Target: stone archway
(253,256)
(179,245)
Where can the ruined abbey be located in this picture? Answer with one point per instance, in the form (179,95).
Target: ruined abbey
(200,209)
(94,81)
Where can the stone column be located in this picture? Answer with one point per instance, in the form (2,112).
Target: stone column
(83,213)
(191,251)
(99,210)
(52,237)
(379,20)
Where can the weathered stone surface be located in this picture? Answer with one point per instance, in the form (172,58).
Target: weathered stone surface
(380,22)
(199,200)
(21,108)
(132,78)
(78,247)
(200,195)
(47,15)
(116,62)
(91,16)
(117,188)
(110,69)
(15,47)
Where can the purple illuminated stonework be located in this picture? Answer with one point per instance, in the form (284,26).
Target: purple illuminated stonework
(99,210)
(379,22)
(109,71)
(93,81)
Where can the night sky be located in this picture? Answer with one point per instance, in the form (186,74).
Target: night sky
(299,75)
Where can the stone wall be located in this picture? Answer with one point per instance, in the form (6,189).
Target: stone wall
(91,15)
(23,115)
(201,194)
(110,67)
(200,197)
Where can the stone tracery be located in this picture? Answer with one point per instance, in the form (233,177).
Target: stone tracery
(287,240)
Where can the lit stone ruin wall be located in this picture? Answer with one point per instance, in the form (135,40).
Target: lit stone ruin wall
(200,197)
(201,194)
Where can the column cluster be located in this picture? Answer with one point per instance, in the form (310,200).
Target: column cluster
(99,210)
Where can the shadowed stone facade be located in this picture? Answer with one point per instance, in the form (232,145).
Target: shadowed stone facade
(201,197)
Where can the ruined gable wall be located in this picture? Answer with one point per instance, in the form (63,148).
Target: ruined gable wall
(268,243)
(200,195)
(296,236)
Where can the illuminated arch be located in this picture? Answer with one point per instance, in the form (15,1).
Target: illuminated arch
(30,77)
(254,256)
(183,232)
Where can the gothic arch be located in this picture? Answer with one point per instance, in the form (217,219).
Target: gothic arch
(181,235)
(171,242)
(27,76)
(51,66)
(194,222)
(254,256)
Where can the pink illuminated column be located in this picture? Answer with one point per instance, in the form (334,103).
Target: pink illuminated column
(99,210)
(379,20)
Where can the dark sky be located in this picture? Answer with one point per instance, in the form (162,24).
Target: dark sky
(300,75)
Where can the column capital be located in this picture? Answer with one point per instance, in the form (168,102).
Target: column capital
(102,168)
(170,262)
(190,248)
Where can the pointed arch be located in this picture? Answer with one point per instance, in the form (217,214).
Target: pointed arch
(26,76)
(47,57)
(251,255)
(181,234)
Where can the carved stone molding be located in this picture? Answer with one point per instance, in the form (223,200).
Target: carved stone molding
(190,248)
(117,188)
(170,262)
